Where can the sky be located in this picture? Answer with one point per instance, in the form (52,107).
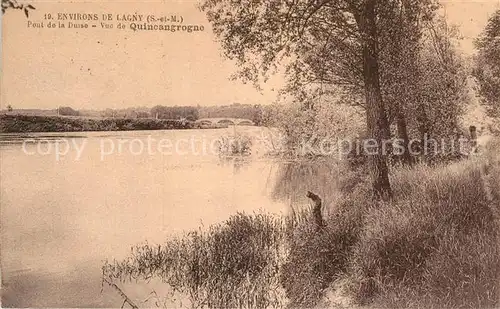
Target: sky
(470,16)
(112,68)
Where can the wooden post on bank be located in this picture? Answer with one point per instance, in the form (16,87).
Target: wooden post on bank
(473,138)
(318,218)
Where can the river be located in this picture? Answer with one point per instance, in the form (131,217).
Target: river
(71,200)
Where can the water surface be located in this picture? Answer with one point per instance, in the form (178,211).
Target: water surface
(62,215)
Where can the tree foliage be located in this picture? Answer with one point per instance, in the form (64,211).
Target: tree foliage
(67,111)
(175,112)
(261,35)
(364,52)
(13,4)
(235,110)
(487,64)
(423,79)
(442,82)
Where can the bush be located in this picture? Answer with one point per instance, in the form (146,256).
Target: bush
(238,145)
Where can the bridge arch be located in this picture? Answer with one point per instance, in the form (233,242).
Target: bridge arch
(226,121)
(205,122)
(245,123)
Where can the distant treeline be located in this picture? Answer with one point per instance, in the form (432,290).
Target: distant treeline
(175,112)
(190,113)
(26,123)
(246,111)
(35,120)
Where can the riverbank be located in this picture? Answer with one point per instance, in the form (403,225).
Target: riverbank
(435,245)
(28,123)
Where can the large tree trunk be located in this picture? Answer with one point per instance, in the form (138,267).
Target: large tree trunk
(377,123)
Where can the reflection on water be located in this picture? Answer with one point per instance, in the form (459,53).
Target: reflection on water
(19,138)
(236,163)
(61,218)
(294,179)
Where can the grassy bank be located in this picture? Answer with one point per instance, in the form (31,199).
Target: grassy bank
(435,245)
(25,123)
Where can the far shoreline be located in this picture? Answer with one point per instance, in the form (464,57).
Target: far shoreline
(19,123)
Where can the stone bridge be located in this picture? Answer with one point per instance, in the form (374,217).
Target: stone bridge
(224,122)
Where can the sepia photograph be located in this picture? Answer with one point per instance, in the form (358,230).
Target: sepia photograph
(250,154)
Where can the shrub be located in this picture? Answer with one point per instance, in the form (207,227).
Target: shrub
(238,145)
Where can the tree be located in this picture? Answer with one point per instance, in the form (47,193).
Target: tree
(67,111)
(13,4)
(423,76)
(9,108)
(109,113)
(402,24)
(487,63)
(442,83)
(175,112)
(323,42)
(143,115)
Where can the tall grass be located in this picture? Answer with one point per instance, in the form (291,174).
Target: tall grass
(435,246)
(233,264)
(317,257)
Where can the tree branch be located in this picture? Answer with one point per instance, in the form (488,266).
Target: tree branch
(314,10)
